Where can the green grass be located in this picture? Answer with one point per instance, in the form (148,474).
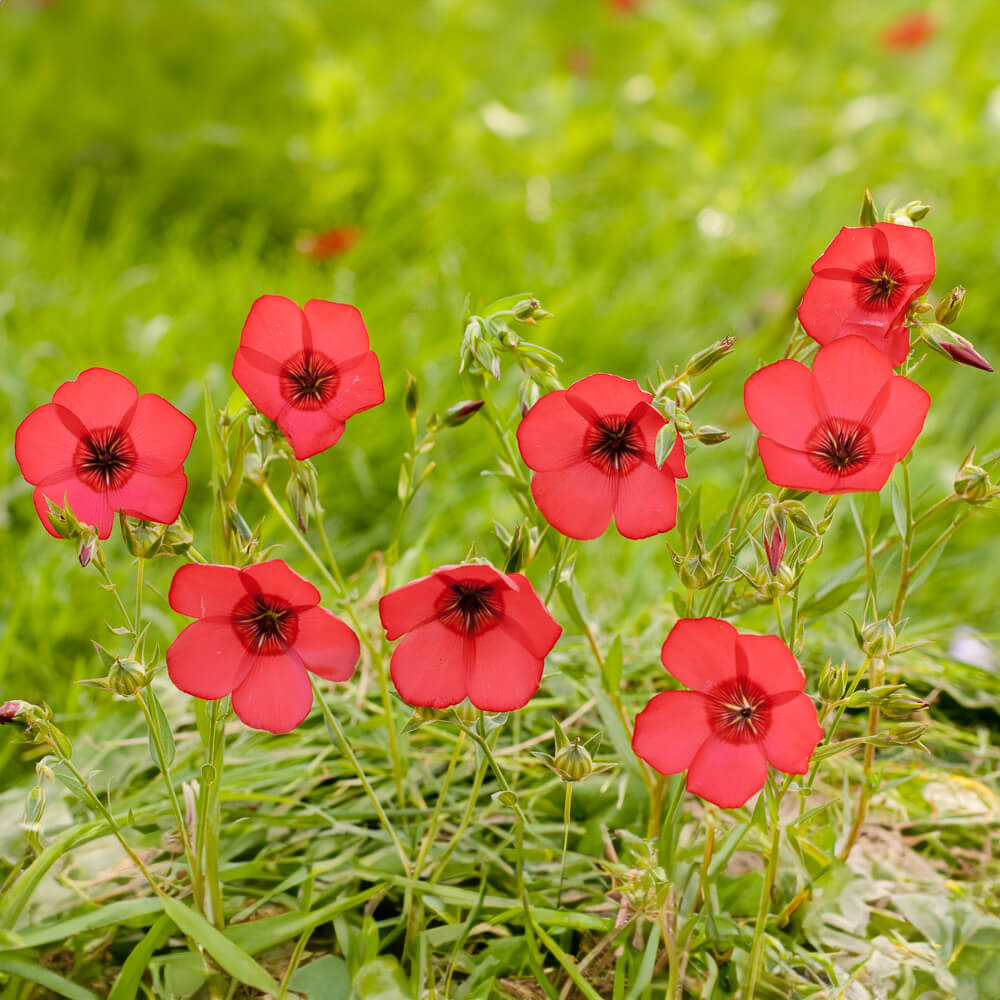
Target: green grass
(157,163)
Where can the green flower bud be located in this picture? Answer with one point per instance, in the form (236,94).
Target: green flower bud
(573,762)
(142,538)
(909,732)
(126,676)
(707,434)
(868,215)
(456,415)
(950,306)
(878,640)
(901,705)
(703,360)
(466,712)
(972,483)
(833,681)
(685,397)
(411,397)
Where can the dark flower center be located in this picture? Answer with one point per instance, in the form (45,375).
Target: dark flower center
(613,444)
(470,608)
(309,380)
(105,458)
(739,711)
(881,283)
(840,446)
(265,623)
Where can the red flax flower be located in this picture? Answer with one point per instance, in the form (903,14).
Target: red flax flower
(259,632)
(470,632)
(746,709)
(307,369)
(100,447)
(592,448)
(909,32)
(839,428)
(863,284)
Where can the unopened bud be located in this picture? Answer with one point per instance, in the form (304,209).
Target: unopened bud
(685,397)
(411,397)
(868,215)
(11,711)
(774,546)
(909,732)
(972,483)
(878,640)
(514,557)
(901,705)
(833,681)
(704,359)
(142,538)
(914,210)
(966,354)
(950,306)
(457,415)
(691,568)
(89,547)
(126,676)
(707,434)
(682,422)
(529,311)
(302,490)
(573,762)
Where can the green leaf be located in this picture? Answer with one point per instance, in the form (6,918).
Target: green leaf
(611,670)
(827,598)
(50,980)
(381,980)
(325,979)
(665,438)
(898,508)
(871,514)
(102,916)
(163,732)
(129,979)
(230,957)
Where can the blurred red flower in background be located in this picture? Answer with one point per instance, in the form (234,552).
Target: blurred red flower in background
(746,710)
(307,369)
(332,243)
(259,632)
(910,32)
(101,447)
(863,284)
(623,6)
(591,447)
(839,428)
(470,632)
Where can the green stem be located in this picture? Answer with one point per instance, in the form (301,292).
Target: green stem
(502,781)
(139,574)
(757,948)
(333,723)
(210,818)
(877,678)
(907,544)
(470,809)
(567,816)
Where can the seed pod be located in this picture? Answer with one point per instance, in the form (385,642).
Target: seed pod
(833,681)
(573,762)
(466,712)
(126,676)
(950,306)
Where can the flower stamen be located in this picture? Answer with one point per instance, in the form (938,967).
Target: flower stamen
(309,380)
(470,608)
(613,444)
(840,446)
(265,624)
(105,458)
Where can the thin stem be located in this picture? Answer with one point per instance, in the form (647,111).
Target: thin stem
(138,591)
(907,544)
(502,781)
(567,816)
(110,585)
(333,723)
(757,948)
(477,784)
(211,819)
(877,678)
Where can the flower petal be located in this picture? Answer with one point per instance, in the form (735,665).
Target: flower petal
(337,329)
(647,502)
(276,577)
(794,469)
(577,501)
(275,695)
(727,773)
(849,374)
(275,326)
(162,435)
(327,645)
(526,616)
(200,590)
(88,506)
(429,666)
(504,675)
(700,652)
(409,606)
(780,401)
(44,443)
(793,735)
(605,395)
(360,387)
(153,498)
(552,433)
(258,375)
(902,416)
(207,659)
(766,660)
(309,431)
(670,730)
(98,398)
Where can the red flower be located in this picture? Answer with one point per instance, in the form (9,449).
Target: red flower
(332,243)
(747,709)
(909,32)
(307,369)
(623,6)
(863,284)
(839,428)
(259,631)
(592,448)
(101,447)
(471,632)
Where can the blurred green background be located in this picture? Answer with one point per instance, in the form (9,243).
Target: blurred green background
(659,178)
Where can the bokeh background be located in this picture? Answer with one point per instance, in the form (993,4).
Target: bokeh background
(660,174)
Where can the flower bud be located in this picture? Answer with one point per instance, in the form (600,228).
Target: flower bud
(302,490)
(972,483)
(11,711)
(34,807)
(868,215)
(457,415)
(573,762)
(704,359)
(833,681)
(707,434)
(878,640)
(692,569)
(126,676)
(966,354)
(529,311)
(514,558)
(774,545)
(950,306)
(142,538)
(682,422)
(909,732)
(89,547)
(685,397)
(901,705)
(177,539)
(866,697)
(411,397)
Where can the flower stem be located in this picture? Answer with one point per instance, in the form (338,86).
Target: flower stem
(877,677)
(210,818)
(757,948)
(567,815)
